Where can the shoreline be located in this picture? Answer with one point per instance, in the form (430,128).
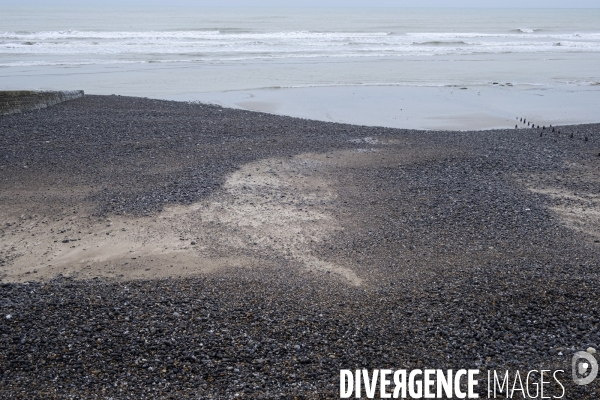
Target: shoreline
(541,90)
(153,249)
(479,107)
(472,119)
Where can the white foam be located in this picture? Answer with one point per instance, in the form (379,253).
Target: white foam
(214,45)
(527,30)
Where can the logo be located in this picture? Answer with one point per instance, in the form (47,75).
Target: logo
(584,367)
(464,383)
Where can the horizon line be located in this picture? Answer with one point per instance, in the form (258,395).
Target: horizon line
(113,5)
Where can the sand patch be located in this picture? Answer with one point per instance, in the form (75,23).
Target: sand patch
(268,212)
(578,209)
(277,207)
(580,212)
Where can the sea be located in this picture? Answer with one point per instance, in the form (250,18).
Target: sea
(182,53)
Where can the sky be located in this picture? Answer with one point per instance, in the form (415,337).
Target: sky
(318,3)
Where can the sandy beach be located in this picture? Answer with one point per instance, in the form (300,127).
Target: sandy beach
(162,249)
(451,107)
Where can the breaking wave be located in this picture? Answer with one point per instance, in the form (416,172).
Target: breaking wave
(79,47)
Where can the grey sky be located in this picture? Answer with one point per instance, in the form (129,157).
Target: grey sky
(319,3)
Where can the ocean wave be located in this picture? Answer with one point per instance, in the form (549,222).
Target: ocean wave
(290,36)
(594,36)
(66,63)
(234,33)
(441,43)
(323,48)
(218,45)
(190,34)
(64,35)
(527,30)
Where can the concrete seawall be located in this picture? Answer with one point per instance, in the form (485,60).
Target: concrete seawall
(15,101)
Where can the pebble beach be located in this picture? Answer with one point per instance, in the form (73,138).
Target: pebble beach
(156,249)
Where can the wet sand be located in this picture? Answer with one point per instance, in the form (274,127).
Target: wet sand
(493,106)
